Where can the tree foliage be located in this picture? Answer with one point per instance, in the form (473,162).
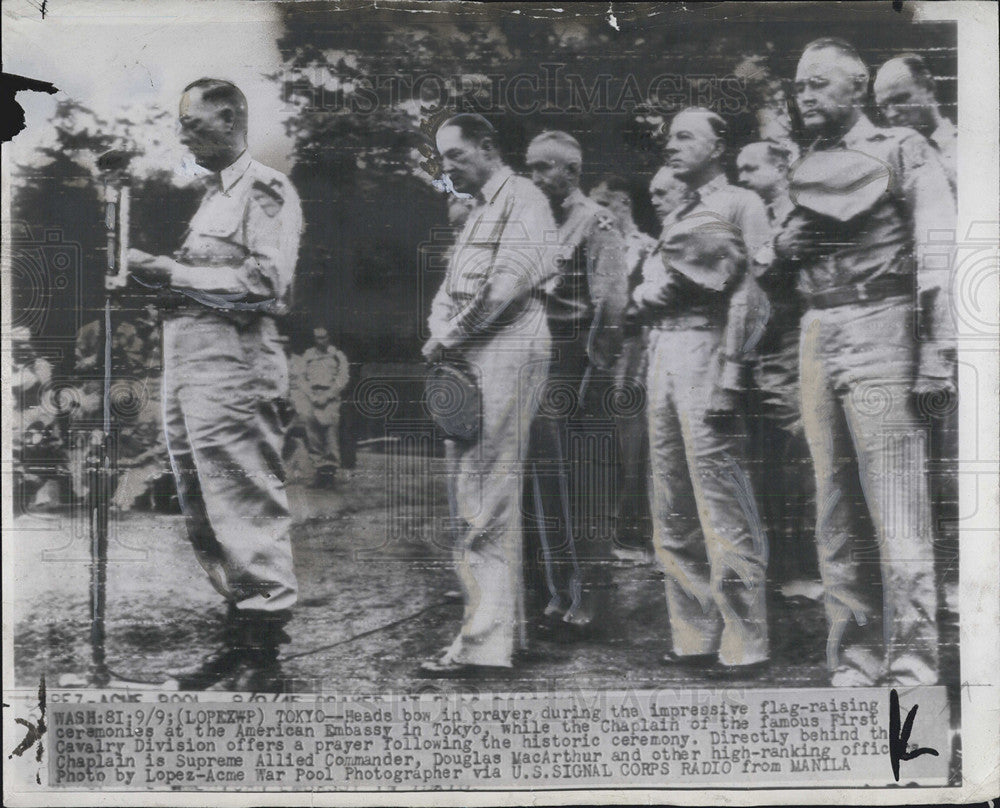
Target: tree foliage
(58,200)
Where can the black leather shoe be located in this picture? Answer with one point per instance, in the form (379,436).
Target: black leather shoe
(567,631)
(248,660)
(733,673)
(214,669)
(436,669)
(324,478)
(257,672)
(690,661)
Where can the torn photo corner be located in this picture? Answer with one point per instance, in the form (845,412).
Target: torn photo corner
(456,403)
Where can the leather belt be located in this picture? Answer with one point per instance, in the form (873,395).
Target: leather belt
(687,322)
(878,289)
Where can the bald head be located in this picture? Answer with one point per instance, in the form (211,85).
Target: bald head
(555,161)
(830,86)
(904,92)
(556,145)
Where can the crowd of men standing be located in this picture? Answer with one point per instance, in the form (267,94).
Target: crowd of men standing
(589,343)
(806,287)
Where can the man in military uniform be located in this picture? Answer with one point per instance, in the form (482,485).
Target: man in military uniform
(866,199)
(633,527)
(904,92)
(487,316)
(323,374)
(784,481)
(573,448)
(705,519)
(225,379)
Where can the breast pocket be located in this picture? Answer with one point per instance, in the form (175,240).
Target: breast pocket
(216,235)
(473,262)
(224,219)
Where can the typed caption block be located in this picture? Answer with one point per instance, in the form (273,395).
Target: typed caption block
(650,739)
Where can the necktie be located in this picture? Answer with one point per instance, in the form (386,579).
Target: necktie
(689,202)
(213,183)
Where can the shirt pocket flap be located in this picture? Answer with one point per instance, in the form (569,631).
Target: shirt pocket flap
(222,221)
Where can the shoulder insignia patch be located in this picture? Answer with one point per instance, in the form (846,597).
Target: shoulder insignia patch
(269,196)
(605,222)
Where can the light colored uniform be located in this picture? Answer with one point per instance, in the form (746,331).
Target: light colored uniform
(943,449)
(707,531)
(323,376)
(858,362)
(506,240)
(225,374)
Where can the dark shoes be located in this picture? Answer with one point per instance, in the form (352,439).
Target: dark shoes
(248,660)
(689,662)
(237,670)
(438,669)
(211,671)
(708,665)
(578,623)
(738,673)
(324,478)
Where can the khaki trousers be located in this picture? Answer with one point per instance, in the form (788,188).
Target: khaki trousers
(706,530)
(488,476)
(225,432)
(873,527)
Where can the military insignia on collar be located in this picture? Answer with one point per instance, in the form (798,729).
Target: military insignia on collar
(604,221)
(269,196)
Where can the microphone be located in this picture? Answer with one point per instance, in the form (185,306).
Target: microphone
(117,208)
(115,160)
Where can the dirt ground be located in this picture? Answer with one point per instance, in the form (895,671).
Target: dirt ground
(372,605)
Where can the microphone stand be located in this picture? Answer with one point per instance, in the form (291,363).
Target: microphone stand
(100,469)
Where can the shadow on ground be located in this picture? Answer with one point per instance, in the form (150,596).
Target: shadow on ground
(373,565)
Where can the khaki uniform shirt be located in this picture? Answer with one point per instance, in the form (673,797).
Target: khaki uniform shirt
(881,241)
(886,239)
(592,279)
(701,278)
(324,374)
(240,249)
(504,254)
